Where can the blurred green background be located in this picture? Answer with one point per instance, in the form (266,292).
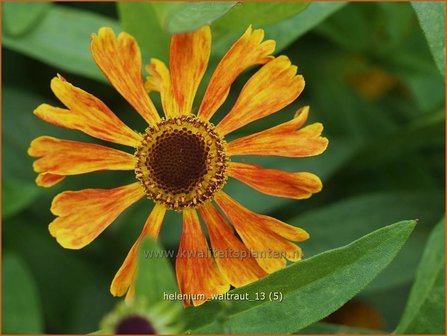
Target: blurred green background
(375,75)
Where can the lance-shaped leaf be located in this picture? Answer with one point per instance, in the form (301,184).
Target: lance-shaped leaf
(308,290)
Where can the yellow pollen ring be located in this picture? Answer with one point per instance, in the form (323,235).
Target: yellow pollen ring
(181,162)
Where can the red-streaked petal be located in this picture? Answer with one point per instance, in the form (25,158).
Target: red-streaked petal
(86,113)
(270,89)
(197,272)
(124,278)
(159,80)
(249,50)
(66,157)
(120,61)
(83,215)
(232,256)
(276,182)
(188,60)
(283,140)
(268,237)
(47,180)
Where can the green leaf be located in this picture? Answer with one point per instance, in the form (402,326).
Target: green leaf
(177,17)
(287,31)
(331,329)
(310,289)
(283,32)
(258,14)
(153,23)
(17,115)
(68,48)
(140,20)
(18,106)
(17,195)
(378,27)
(61,292)
(431,16)
(354,217)
(91,303)
(19,17)
(155,276)
(21,312)
(429,127)
(425,310)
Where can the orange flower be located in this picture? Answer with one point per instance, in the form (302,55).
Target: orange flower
(182,161)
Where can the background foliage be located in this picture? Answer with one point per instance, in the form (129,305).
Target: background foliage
(374,77)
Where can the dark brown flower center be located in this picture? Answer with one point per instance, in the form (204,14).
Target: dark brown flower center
(178,160)
(134,325)
(181,162)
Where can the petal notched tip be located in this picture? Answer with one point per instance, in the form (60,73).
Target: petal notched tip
(288,139)
(301,115)
(83,215)
(67,157)
(233,63)
(60,77)
(158,73)
(273,87)
(120,61)
(104,32)
(47,180)
(263,234)
(298,185)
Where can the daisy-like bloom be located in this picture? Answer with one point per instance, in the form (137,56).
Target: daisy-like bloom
(182,161)
(140,317)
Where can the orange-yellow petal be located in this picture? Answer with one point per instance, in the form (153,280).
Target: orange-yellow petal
(197,272)
(159,80)
(83,215)
(188,60)
(249,50)
(268,238)
(66,157)
(232,256)
(120,61)
(130,293)
(283,140)
(270,89)
(125,276)
(85,113)
(276,182)
(47,180)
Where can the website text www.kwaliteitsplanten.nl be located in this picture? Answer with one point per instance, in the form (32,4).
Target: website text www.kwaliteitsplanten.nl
(225,253)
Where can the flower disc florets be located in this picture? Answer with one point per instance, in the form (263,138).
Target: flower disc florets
(181,162)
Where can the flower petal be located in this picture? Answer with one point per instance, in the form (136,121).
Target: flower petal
(267,237)
(86,113)
(232,256)
(159,80)
(189,57)
(47,180)
(130,293)
(270,89)
(124,278)
(283,140)
(84,214)
(120,61)
(276,182)
(197,272)
(249,50)
(66,157)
